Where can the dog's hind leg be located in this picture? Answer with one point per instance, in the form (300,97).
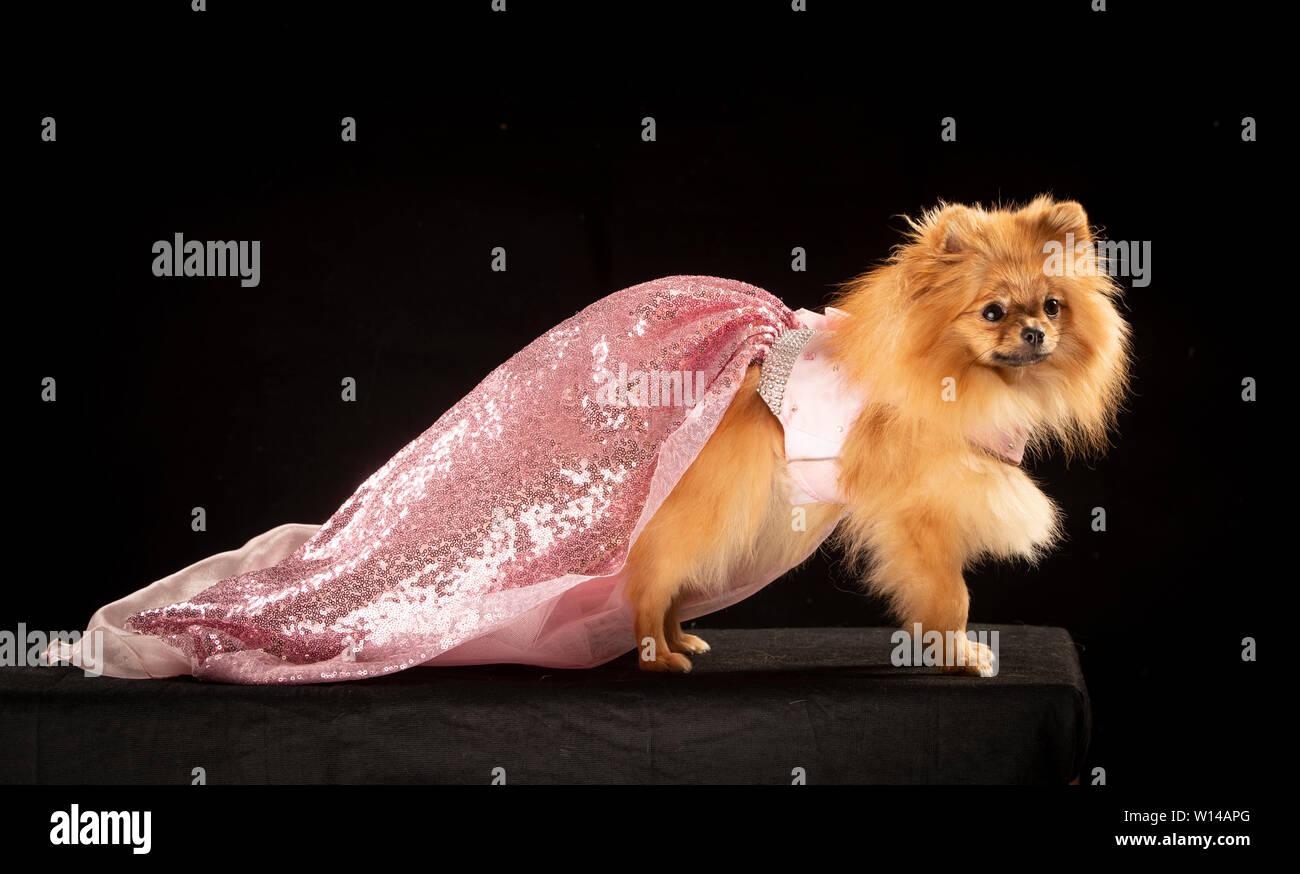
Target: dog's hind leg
(708,522)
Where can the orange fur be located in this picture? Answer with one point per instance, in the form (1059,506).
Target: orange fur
(924,501)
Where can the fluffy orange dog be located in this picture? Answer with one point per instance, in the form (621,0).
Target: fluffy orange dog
(962,330)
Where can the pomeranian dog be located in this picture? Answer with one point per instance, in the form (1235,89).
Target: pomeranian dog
(964,331)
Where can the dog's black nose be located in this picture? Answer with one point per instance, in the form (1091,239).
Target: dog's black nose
(1032,336)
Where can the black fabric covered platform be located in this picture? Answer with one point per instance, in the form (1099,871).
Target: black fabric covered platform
(764,702)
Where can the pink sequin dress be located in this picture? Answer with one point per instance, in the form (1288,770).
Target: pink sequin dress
(500,534)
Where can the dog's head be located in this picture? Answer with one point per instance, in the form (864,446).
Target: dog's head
(1010,309)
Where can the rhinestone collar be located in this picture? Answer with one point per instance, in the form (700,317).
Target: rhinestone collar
(777,365)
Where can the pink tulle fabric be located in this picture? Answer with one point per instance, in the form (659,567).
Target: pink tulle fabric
(500,534)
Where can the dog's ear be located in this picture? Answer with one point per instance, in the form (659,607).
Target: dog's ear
(1056,219)
(950,229)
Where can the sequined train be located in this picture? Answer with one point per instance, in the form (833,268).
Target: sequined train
(498,535)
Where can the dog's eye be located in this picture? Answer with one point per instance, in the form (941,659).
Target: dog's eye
(993,312)
(1052,307)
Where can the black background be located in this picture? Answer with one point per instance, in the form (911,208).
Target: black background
(775,130)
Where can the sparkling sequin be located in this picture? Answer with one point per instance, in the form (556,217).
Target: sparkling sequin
(528,487)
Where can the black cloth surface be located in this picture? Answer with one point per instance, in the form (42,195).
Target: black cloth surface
(763,703)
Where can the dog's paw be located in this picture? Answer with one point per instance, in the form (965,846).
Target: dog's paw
(671,661)
(973,658)
(693,644)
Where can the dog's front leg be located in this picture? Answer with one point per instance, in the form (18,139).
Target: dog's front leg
(920,573)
